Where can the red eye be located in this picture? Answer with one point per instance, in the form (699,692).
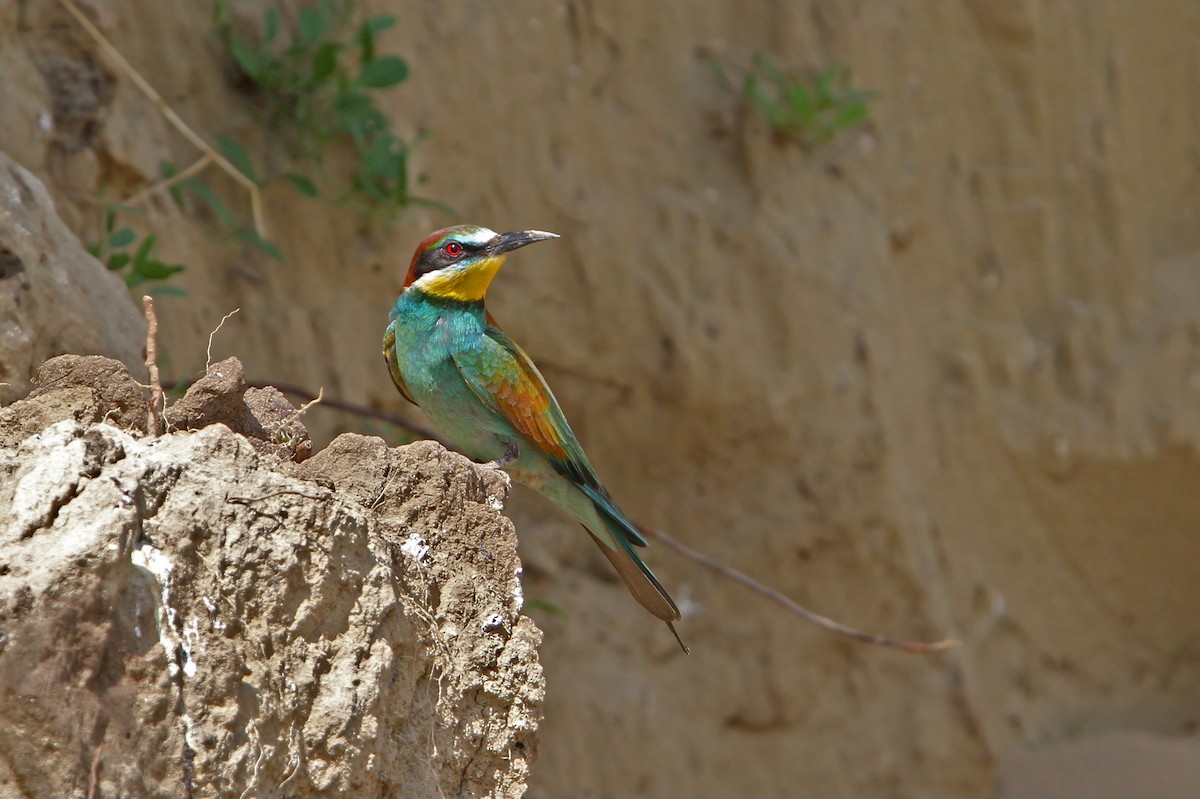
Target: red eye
(453,249)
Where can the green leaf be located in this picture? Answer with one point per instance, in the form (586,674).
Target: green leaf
(829,78)
(122,238)
(302,184)
(236,155)
(381,73)
(258,241)
(324,61)
(143,250)
(366,44)
(168,170)
(366,35)
(379,160)
(94,250)
(117,261)
(380,22)
(206,195)
(801,102)
(220,15)
(156,270)
(850,116)
(330,11)
(271,24)
(167,290)
(249,61)
(355,114)
(310,24)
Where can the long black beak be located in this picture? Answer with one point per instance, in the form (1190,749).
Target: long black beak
(506,242)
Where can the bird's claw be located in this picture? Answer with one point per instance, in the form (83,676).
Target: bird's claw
(510,456)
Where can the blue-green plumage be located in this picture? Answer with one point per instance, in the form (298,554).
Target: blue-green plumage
(489,401)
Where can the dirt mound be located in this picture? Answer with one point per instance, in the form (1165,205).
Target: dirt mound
(192,614)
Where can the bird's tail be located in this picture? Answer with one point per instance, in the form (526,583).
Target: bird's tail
(636,575)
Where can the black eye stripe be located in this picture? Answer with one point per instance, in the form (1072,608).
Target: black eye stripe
(437,258)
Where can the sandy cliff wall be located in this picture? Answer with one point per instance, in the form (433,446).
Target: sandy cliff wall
(940,376)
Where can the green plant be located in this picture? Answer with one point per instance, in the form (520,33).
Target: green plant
(316,87)
(802,106)
(120,250)
(197,188)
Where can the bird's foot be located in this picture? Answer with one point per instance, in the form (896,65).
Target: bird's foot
(510,456)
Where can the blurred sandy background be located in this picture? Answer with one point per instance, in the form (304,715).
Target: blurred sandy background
(939,376)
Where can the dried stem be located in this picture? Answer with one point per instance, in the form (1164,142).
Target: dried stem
(333,404)
(94,779)
(317,400)
(676,546)
(154,423)
(350,407)
(199,166)
(272,495)
(208,352)
(114,55)
(917,647)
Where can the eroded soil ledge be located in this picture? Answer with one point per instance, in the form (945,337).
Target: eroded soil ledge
(199,614)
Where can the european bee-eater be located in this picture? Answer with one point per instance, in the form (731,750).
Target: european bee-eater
(447,355)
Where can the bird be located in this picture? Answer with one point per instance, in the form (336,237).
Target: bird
(447,355)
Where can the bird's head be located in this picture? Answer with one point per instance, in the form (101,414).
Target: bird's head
(458,263)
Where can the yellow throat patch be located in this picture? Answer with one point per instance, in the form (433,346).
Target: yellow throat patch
(464,285)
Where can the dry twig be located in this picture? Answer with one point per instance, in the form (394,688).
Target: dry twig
(676,546)
(350,407)
(272,495)
(210,155)
(154,423)
(196,168)
(917,647)
(333,404)
(208,352)
(94,780)
(317,400)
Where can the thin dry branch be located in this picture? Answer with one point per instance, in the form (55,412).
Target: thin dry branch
(303,409)
(154,421)
(676,546)
(212,335)
(350,407)
(94,774)
(333,404)
(917,647)
(273,494)
(199,166)
(114,55)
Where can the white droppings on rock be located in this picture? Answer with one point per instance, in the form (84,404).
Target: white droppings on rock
(160,566)
(217,623)
(415,547)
